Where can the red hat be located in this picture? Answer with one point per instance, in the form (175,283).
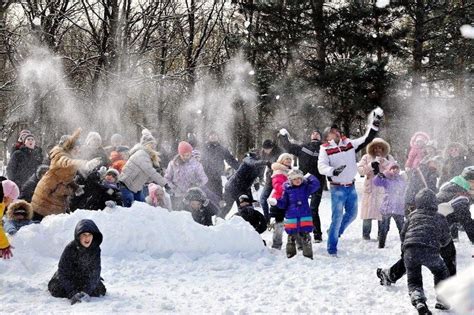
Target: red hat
(184,147)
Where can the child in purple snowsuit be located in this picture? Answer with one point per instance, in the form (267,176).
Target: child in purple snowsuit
(298,215)
(393,204)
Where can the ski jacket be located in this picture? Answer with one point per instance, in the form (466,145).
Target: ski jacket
(243,178)
(298,215)
(279,178)
(23,163)
(416,154)
(394,194)
(213,157)
(254,217)
(332,155)
(184,175)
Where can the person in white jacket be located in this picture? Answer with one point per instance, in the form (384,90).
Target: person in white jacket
(337,161)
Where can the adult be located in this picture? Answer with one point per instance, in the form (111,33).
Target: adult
(337,160)
(214,155)
(184,172)
(455,160)
(140,168)
(93,149)
(376,160)
(270,153)
(425,175)
(241,181)
(27,190)
(24,161)
(308,154)
(116,140)
(57,185)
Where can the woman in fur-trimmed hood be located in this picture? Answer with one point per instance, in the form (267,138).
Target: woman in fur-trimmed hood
(19,214)
(376,160)
(57,185)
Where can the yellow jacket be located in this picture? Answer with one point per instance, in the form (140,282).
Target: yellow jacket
(3,237)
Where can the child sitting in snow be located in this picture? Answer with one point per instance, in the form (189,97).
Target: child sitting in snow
(157,197)
(19,214)
(298,216)
(424,232)
(78,274)
(8,192)
(393,204)
(249,214)
(197,203)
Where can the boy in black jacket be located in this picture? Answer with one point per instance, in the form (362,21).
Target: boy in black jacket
(78,275)
(198,204)
(249,214)
(424,232)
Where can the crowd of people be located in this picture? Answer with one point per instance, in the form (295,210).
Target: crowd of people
(429,202)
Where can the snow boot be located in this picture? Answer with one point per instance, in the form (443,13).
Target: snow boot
(318,237)
(442,306)
(291,246)
(418,300)
(422,308)
(307,246)
(278,235)
(384,276)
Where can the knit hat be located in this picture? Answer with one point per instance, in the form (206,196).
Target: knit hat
(93,137)
(10,189)
(23,134)
(268,144)
(30,135)
(294,174)
(468,173)
(195,194)
(245,198)
(122,148)
(113,172)
(147,138)
(393,164)
(426,199)
(283,157)
(152,189)
(184,147)
(116,139)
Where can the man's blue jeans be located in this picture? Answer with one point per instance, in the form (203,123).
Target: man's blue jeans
(267,190)
(128,196)
(344,211)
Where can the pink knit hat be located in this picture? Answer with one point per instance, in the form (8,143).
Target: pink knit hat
(184,147)
(152,189)
(10,189)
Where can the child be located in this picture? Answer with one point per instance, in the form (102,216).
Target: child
(8,192)
(19,214)
(298,218)
(78,274)
(279,177)
(393,204)
(424,232)
(157,197)
(201,209)
(417,152)
(249,214)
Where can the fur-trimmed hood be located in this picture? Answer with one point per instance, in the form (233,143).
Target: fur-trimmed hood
(279,168)
(20,204)
(462,149)
(67,146)
(420,135)
(378,142)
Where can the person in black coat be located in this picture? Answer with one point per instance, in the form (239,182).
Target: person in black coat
(213,157)
(241,181)
(201,209)
(249,214)
(27,190)
(308,155)
(424,176)
(24,161)
(78,274)
(424,232)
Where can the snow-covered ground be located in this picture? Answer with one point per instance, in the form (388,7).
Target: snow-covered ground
(159,262)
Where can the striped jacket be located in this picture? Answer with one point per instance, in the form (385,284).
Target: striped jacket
(298,216)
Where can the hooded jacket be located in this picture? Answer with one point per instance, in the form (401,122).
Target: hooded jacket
(250,168)
(11,225)
(424,226)
(79,267)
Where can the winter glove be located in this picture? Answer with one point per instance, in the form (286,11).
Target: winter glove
(79,191)
(168,190)
(272,201)
(375,167)
(268,164)
(338,170)
(256,185)
(6,253)
(80,297)
(102,170)
(110,204)
(90,165)
(375,118)
(283,132)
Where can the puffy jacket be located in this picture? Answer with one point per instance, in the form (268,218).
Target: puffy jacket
(10,224)
(185,175)
(298,215)
(23,163)
(394,196)
(243,178)
(213,157)
(254,217)
(279,178)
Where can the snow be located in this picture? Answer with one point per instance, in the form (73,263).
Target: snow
(382,3)
(467,31)
(154,261)
(459,291)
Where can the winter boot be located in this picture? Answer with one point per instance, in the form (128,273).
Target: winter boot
(278,235)
(418,300)
(440,305)
(291,246)
(384,276)
(382,241)
(318,237)
(422,308)
(307,246)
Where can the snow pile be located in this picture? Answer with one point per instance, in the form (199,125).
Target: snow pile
(141,230)
(458,291)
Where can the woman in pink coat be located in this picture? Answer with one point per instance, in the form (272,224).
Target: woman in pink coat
(375,161)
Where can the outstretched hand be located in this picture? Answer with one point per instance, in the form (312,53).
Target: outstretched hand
(6,253)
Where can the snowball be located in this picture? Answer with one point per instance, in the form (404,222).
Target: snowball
(246,24)
(467,31)
(382,3)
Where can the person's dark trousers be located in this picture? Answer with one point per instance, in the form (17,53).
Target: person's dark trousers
(448,253)
(214,184)
(453,228)
(314,206)
(230,197)
(367,227)
(58,291)
(417,256)
(267,190)
(384,226)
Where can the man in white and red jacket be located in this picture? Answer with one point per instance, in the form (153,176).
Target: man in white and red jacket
(337,161)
